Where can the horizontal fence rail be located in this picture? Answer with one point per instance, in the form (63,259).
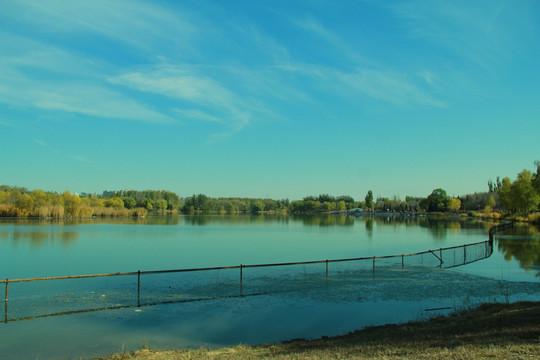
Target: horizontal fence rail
(62,295)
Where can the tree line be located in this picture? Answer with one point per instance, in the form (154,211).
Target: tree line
(521,195)
(233,205)
(21,202)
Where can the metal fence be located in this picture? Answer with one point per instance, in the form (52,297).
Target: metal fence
(40,297)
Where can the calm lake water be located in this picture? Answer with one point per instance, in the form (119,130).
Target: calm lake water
(42,248)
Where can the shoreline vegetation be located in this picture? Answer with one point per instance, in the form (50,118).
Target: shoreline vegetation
(494,330)
(517,200)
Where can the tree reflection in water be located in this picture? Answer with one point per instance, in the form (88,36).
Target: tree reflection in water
(523,244)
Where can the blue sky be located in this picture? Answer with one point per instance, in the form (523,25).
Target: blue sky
(268,98)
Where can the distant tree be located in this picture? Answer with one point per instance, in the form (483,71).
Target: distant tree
(494,186)
(129,202)
(270,205)
(94,201)
(384,204)
(311,206)
(114,202)
(438,200)
(423,204)
(39,198)
(536,177)
(24,202)
(369,200)
(345,199)
(148,204)
(231,208)
(5,196)
(476,201)
(71,203)
(325,198)
(525,196)
(328,206)
(296,206)
(505,194)
(413,203)
(257,207)
(491,202)
(454,205)
(199,202)
(160,204)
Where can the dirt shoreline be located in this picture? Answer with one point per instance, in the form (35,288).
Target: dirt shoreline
(494,331)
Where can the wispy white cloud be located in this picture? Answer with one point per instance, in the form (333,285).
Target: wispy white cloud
(268,49)
(87,99)
(84,97)
(392,87)
(342,49)
(198,96)
(229,94)
(78,158)
(41,76)
(482,32)
(387,86)
(137,23)
(177,83)
(41,142)
(198,114)
(365,77)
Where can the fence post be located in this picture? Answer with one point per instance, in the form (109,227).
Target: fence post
(464,254)
(402,261)
(139,288)
(241,278)
(374,264)
(6,302)
(327,268)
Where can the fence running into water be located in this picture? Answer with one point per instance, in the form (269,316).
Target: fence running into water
(40,297)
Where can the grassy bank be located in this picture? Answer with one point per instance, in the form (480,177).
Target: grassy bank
(532,218)
(494,331)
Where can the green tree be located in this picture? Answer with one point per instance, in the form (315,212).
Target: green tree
(24,202)
(94,201)
(525,196)
(326,198)
(5,196)
(536,177)
(491,202)
(438,200)
(160,204)
(72,203)
(148,204)
(454,205)
(39,198)
(114,202)
(257,207)
(423,204)
(506,195)
(129,202)
(348,200)
(311,206)
(369,200)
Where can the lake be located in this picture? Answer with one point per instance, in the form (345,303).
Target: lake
(300,309)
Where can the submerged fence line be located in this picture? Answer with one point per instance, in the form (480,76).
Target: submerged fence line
(138,273)
(61,295)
